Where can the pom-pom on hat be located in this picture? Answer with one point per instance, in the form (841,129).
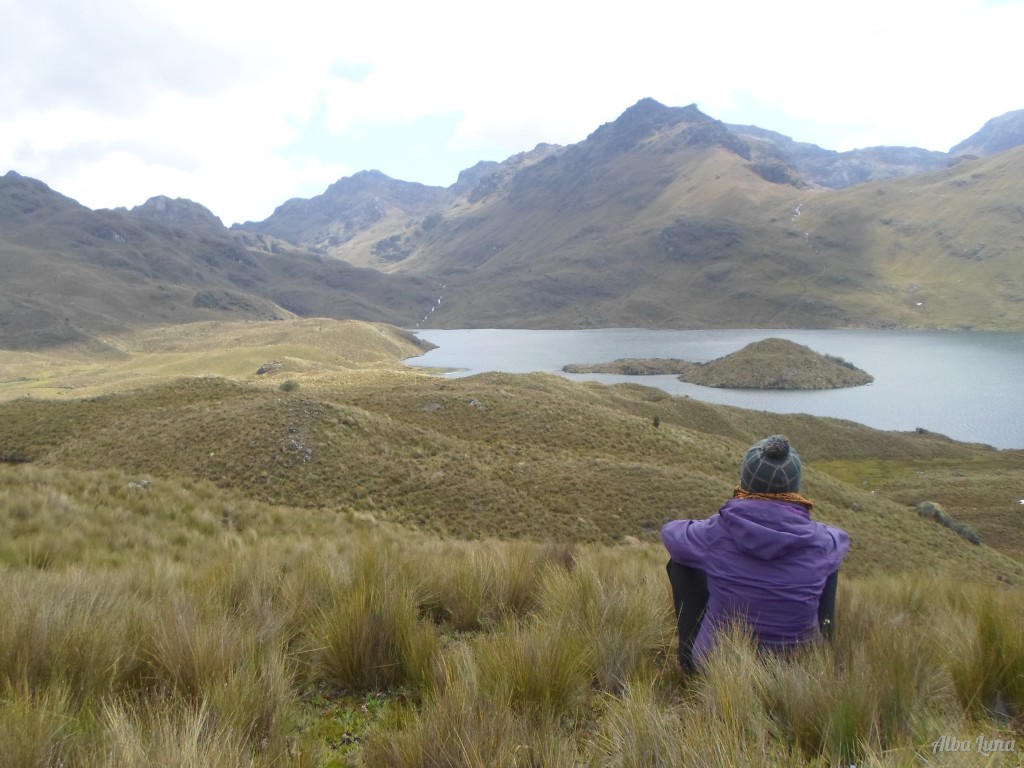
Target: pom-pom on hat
(771,465)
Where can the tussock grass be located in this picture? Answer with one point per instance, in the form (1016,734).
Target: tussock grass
(220,658)
(459,727)
(37,726)
(370,635)
(536,669)
(618,614)
(642,726)
(218,662)
(487,583)
(72,632)
(173,734)
(988,668)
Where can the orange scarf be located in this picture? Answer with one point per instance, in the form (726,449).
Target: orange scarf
(794,498)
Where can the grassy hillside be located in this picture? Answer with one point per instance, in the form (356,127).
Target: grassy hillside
(495,455)
(236,350)
(942,248)
(632,366)
(341,562)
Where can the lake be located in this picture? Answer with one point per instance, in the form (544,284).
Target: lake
(966,385)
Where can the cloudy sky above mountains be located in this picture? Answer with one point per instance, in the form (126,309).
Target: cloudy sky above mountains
(242,105)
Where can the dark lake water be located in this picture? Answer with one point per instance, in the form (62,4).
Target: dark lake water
(967,385)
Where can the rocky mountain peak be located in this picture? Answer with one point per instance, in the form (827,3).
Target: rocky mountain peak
(487,178)
(644,119)
(376,182)
(176,211)
(21,194)
(375,186)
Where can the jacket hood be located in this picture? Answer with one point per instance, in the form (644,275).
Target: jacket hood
(767,529)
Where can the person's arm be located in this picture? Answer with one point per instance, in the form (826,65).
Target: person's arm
(690,600)
(827,606)
(685,541)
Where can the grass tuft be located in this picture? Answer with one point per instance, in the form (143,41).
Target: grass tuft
(371,636)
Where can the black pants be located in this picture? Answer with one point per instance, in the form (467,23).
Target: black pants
(690,600)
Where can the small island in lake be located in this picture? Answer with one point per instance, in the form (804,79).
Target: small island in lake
(767,364)
(632,367)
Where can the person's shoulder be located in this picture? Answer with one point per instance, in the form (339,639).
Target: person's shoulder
(681,524)
(689,541)
(688,528)
(834,538)
(834,530)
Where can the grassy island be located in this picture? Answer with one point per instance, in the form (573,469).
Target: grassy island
(767,364)
(632,366)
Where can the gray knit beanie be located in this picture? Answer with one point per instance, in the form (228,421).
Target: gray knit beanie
(771,465)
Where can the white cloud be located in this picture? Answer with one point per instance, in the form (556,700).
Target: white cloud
(114,101)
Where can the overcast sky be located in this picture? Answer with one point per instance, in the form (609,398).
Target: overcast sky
(243,105)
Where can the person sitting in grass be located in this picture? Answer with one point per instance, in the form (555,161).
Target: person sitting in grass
(760,560)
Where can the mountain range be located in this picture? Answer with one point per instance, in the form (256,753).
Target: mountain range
(664,217)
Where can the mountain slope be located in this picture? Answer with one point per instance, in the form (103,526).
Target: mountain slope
(666,217)
(362,204)
(940,249)
(838,170)
(71,274)
(997,135)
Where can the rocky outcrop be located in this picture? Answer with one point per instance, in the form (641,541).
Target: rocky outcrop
(179,212)
(935,512)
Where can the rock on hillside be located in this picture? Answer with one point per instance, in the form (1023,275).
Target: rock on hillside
(776,364)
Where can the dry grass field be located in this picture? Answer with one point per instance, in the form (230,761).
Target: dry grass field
(344,562)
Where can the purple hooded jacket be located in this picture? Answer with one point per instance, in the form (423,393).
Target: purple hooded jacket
(766,563)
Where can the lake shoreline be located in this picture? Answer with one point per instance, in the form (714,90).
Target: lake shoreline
(961,384)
